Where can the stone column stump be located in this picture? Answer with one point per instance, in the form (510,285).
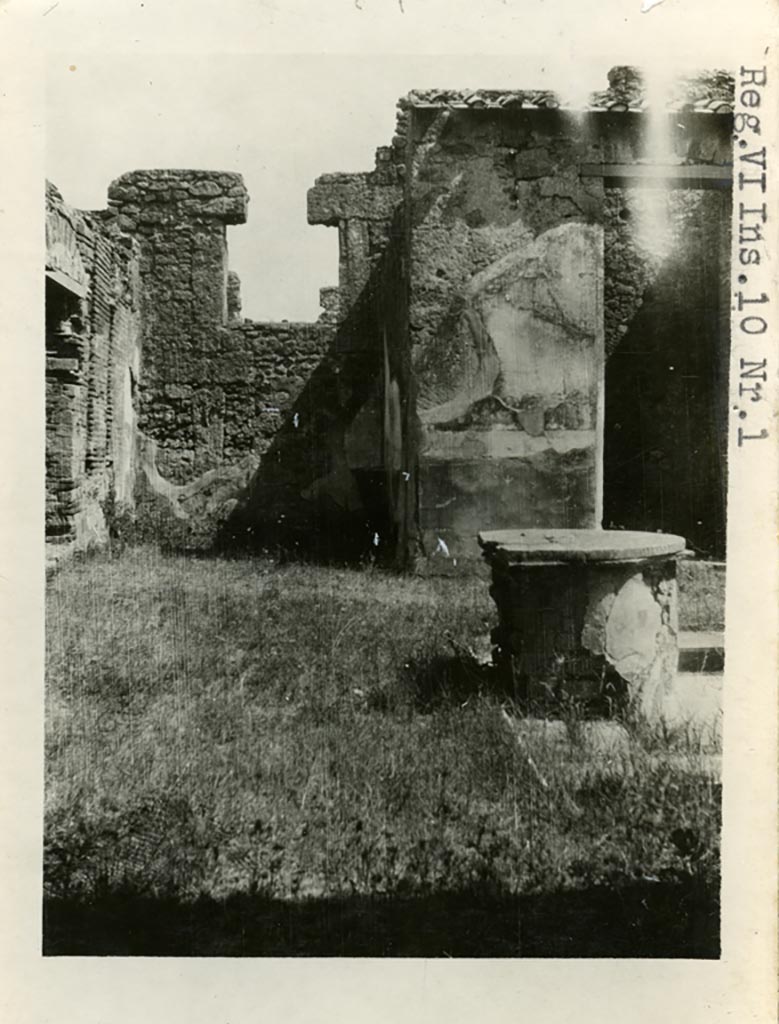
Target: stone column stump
(578,608)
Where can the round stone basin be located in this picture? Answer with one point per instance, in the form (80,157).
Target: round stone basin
(582,611)
(578,545)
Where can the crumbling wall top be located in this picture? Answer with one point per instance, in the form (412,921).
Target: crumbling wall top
(367,195)
(339,196)
(703,92)
(166,196)
(64,226)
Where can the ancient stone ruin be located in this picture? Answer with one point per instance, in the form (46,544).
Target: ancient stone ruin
(530,330)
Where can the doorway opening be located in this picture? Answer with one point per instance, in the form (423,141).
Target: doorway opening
(666,381)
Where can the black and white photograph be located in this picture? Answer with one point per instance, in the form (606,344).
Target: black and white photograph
(394,409)
(397,630)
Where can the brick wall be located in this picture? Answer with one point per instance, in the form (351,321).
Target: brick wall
(92,354)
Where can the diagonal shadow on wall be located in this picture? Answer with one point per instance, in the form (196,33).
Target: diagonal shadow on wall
(321,491)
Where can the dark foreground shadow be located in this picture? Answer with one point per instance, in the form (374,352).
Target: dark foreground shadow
(646,920)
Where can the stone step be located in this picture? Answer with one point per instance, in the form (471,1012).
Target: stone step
(696,700)
(701,595)
(701,651)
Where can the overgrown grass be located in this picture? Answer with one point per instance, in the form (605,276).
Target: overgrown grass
(234,728)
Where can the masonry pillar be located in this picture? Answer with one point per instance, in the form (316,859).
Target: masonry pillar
(180,218)
(361,206)
(506,326)
(370,307)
